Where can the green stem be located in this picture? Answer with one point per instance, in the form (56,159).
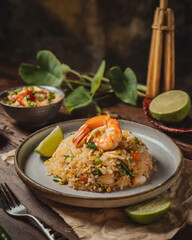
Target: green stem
(141,94)
(68,84)
(86,76)
(141,87)
(75,72)
(78,82)
(102,97)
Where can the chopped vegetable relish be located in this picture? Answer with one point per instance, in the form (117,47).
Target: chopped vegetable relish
(30,96)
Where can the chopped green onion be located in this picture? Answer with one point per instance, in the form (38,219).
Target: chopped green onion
(122,172)
(57,179)
(137,140)
(92,145)
(97,160)
(130,159)
(51,96)
(127,170)
(97,172)
(28,97)
(69,156)
(31,104)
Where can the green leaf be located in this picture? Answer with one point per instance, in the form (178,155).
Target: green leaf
(34,75)
(65,68)
(47,61)
(97,78)
(49,70)
(80,97)
(124,84)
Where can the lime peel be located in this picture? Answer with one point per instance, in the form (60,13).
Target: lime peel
(171,106)
(150,211)
(49,144)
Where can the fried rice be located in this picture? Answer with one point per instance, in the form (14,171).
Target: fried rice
(92,169)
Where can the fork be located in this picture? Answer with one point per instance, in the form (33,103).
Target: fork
(11,204)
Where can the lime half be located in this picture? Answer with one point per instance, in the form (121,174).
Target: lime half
(48,146)
(150,211)
(171,106)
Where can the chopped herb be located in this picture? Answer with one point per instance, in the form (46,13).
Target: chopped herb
(31,104)
(29,88)
(97,160)
(122,172)
(28,97)
(137,141)
(92,145)
(57,179)
(130,159)
(127,170)
(69,156)
(97,172)
(40,96)
(15,92)
(51,96)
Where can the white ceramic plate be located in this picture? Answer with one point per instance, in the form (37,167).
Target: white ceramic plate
(166,155)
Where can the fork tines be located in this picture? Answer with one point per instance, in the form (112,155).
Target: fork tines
(12,200)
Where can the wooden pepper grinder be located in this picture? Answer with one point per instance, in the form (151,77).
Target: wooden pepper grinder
(161,66)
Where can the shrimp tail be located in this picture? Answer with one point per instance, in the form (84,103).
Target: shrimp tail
(82,132)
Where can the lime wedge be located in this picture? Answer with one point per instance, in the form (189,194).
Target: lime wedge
(149,211)
(171,106)
(48,146)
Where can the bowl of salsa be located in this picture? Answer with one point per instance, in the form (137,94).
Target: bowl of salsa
(32,105)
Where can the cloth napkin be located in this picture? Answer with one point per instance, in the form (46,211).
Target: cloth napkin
(112,224)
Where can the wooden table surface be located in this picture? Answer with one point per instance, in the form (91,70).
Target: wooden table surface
(11,136)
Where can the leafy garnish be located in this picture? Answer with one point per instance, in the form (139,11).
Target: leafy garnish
(127,170)
(51,96)
(97,172)
(92,145)
(137,141)
(130,159)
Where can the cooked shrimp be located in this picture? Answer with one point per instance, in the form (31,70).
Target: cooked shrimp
(108,140)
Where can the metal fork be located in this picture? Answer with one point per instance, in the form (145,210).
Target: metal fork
(11,204)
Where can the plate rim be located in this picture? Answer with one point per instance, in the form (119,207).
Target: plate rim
(52,191)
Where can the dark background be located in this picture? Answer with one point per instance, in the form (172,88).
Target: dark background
(83,32)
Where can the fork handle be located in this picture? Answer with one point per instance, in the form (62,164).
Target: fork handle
(49,232)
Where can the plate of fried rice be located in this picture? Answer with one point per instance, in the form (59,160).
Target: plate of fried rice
(100,163)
